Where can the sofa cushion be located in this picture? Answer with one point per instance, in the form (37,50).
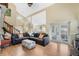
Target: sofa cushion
(45,40)
(26,34)
(7,35)
(20,35)
(36,34)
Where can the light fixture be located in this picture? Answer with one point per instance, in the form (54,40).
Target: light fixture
(30,4)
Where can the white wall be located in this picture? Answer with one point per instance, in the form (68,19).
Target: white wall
(2,11)
(60,13)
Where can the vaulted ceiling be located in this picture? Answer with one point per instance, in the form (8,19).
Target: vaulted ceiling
(25,10)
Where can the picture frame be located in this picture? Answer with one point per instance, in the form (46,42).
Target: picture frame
(8,12)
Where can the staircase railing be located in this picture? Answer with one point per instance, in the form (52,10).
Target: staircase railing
(10,28)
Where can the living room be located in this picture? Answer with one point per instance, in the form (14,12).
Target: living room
(28,27)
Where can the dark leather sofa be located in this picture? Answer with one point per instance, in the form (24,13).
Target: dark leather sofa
(44,41)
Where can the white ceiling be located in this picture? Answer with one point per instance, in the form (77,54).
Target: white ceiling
(24,10)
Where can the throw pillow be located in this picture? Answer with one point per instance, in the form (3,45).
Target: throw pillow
(7,36)
(41,35)
(20,35)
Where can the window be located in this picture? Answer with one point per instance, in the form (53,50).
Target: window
(38,21)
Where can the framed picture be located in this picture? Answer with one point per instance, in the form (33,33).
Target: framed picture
(8,12)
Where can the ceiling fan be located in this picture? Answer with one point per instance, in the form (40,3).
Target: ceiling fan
(29,4)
